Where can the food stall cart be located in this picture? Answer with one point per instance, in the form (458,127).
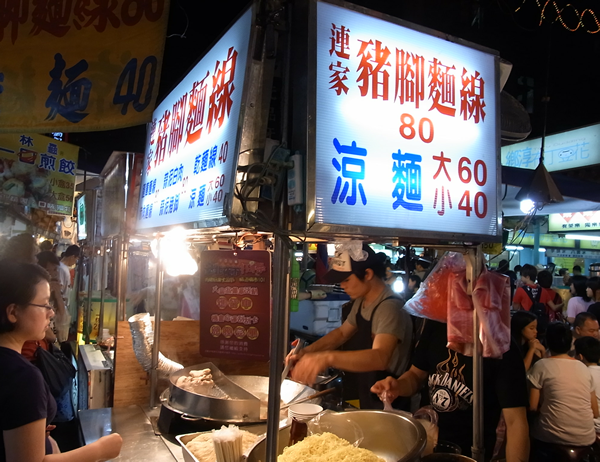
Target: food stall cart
(421,168)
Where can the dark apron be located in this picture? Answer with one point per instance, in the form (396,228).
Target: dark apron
(363,340)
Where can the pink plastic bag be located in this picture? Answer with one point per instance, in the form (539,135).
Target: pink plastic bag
(491,298)
(460,315)
(431,300)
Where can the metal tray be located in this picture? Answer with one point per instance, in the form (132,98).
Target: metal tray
(240,406)
(184,439)
(257,386)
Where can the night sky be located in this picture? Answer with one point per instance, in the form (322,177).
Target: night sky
(546,56)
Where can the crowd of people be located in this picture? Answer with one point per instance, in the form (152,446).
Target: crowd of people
(539,398)
(33,292)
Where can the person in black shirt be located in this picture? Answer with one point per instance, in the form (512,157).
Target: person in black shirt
(449,376)
(26,404)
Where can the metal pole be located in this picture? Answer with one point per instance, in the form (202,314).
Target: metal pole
(90,287)
(473,271)
(157,314)
(123,249)
(278,335)
(536,241)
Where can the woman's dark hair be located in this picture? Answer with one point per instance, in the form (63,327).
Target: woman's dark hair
(544,279)
(580,286)
(559,337)
(519,321)
(17,285)
(594,284)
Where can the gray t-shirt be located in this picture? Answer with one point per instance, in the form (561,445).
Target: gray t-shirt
(390,318)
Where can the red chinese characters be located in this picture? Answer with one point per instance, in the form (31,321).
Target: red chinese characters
(177,125)
(468,173)
(340,46)
(220,101)
(162,138)
(57,17)
(372,69)
(195,115)
(410,78)
(417,78)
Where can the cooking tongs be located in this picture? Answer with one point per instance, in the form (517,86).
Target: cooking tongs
(297,348)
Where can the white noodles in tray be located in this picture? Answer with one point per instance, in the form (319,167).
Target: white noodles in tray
(228,443)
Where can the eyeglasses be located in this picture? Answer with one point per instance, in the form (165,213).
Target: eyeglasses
(48,307)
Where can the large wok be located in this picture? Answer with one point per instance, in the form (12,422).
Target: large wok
(250,392)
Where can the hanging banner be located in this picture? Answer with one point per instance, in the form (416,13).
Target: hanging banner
(575,221)
(406,130)
(562,151)
(37,171)
(79,65)
(235,304)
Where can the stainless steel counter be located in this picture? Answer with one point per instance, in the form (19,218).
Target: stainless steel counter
(134,424)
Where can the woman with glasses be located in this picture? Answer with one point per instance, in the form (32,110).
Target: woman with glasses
(26,405)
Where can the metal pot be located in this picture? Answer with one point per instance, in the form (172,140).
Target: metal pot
(389,435)
(441,457)
(197,407)
(595,269)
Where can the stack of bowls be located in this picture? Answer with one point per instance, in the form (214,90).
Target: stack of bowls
(304,411)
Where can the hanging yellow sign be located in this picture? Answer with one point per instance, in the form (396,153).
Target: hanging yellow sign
(491,248)
(38,172)
(78,65)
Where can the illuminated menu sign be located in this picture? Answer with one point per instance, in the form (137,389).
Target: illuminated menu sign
(576,221)
(235,304)
(562,151)
(192,143)
(406,129)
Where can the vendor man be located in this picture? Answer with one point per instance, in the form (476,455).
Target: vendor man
(449,377)
(381,328)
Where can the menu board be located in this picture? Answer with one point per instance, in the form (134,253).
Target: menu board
(235,304)
(191,152)
(406,130)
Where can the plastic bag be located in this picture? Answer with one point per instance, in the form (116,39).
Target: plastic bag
(491,298)
(429,419)
(460,315)
(431,300)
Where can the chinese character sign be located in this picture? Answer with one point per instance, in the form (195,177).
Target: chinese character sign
(192,139)
(235,304)
(406,128)
(562,151)
(575,221)
(79,65)
(38,172)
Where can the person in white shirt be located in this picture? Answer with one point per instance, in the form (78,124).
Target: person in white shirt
(569,405)
(69,258)
(587,350)
(580,301)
